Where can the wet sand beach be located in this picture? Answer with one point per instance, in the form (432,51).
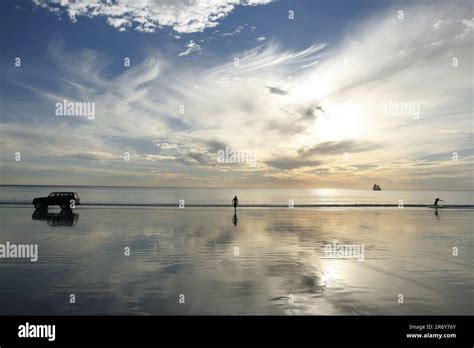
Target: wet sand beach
(263,261)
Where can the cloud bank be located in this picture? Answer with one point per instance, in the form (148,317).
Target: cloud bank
(183,16)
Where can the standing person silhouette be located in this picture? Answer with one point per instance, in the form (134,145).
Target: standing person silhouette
(436,202)
(235,202)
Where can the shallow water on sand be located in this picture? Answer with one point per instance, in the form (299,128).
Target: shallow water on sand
(271,262)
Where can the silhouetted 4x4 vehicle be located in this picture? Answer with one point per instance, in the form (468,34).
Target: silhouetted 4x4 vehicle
(66,200)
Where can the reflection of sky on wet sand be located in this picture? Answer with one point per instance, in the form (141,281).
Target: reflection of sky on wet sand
(281,267)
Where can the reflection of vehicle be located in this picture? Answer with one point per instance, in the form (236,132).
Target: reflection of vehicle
(63,218)
(65,200)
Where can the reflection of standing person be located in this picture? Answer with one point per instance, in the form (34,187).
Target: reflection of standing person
(235,201)
(235,219)
(436,202)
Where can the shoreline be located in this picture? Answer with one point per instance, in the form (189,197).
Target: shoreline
(260,205)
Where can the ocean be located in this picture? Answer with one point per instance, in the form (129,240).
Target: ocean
(223,196)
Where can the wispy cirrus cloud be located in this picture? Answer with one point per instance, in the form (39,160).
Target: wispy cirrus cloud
(338,147)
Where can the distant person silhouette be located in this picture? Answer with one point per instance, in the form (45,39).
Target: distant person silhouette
(235,202)
(436,202)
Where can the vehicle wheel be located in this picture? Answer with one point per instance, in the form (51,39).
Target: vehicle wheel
(38,206)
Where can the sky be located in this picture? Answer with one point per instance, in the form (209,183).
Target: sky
(237,93)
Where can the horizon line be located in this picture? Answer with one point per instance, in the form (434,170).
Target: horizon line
(240,188)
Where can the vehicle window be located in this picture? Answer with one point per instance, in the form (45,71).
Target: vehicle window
(52,195)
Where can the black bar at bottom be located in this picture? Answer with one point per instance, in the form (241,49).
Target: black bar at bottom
(223,330)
